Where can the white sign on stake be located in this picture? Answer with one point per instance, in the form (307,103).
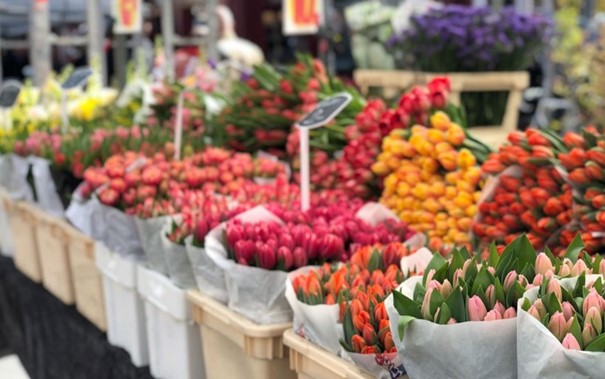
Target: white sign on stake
(178,129)
(325,112)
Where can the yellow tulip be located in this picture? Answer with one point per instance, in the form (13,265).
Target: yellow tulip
(380,168)
(403,189)
(451,191)
(447,159)
(435,136)
(471,210)
(440,120)
(466,159)
(455,134)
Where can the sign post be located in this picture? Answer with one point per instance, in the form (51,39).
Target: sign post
(9,92)
(325,112)
(78,78)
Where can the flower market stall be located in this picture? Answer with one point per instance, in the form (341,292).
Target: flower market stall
(173,232)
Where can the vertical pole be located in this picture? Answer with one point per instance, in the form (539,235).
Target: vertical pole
(96,56)
(210,9)
(168,36)
(40,52)
(305,175)
(120,59)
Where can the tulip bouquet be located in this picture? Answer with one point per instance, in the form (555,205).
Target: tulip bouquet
(585,162)
(458,299)
(560,328)
(431,179)
(261,111)
(164,109)
(530,195)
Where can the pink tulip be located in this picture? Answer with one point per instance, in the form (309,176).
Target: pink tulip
(588,334)
(564,271)
(434,284)
(458,274)
(425,308)
(451,321)
(558,325)
(244,251)
(300,258)
(549,274)
(568,310)
(554,287)
(543,264)
(490,294)
(491,270)
(570,342)
(429,275)
(286,240)
(592,300)
(510,313)
(266,256)
(492,315)
(522,280)
(538,280)
(331,247)
(446,289)
(534,312)
(476,309)
(593,317)
(466,265)
(602,267)
(499,308)
(510,280)
(579,268)
(285,257)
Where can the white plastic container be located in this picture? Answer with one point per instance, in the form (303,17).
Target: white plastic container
(175,348)
(123,305)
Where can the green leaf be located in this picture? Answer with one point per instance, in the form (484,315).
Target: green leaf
(499,291)
(456,263)
(456,304)
(444,315)
(598,344)
(494,257)
(574,248)
(526,253)
(598,285)
(347,325)
(551,303)
(406,306)
(575,330)
(403,323)
(419,292)
(465,253)
(528,271)
(526,304)
(436,263)
(580,284)
(506,259)
(549,254)
(471,273)
(374,262)
(596,263)
(435,301)
(483,280)
(590,140)
(481,293)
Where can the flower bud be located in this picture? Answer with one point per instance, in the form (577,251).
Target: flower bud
(593,317)
(539,305)
(285,257)
(490,293)
(498,307)
(602,267)
(451,321)
(425,308)
(534,312)
(554,287)
(592,300)
(538,280)
(299,256)
(476,309)
(458,274)
(358,343)
(429,275)
(446,289)
(510,280)
(570,342)
(360,320)
(588,334)
(558,325)
(543,264)
(522,280)
(509,313)
(369,334)
(492,315)
(564,271)
(579,268)
(568,310)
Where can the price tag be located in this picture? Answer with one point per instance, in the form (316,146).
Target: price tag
(77,78)
(9,92)
(325,112)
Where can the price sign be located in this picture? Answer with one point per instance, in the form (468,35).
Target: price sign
(128,16)
(78,78)
(325,112)
(9,92)
(302,16)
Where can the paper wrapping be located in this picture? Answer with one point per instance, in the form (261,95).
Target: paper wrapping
(473,349)
(150,232)
(177,261)
(209,277)
(541,355)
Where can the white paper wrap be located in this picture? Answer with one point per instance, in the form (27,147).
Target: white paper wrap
(87,216)
(417,262)
(150,232)
(473,349)
(209,277)
(317,323)
(48,198)
(121,234)
(256,293)
(541,355)
(381,366)
(14,177)
(177,261)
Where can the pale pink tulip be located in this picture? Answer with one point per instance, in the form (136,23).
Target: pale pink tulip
(543,264)
(446,289)
(425,308)
(549,274)
(522,280)
(570,342)
(492,315)
(588,334)
(538,280)
(476,309)
(534,312)
(558,325)
(555,287)
(593,317)
(539,305)
(429,275)
(510,313)
(490,293)
(602,267)
(499,308)
(564,271)
(451,321)
(509,280)
(491,270)
(592,300)
(458,274)
(579,268)
(568,310)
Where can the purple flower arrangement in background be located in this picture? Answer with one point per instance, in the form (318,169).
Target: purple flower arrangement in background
(457,38)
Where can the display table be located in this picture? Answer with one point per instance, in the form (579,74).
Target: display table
(53,340)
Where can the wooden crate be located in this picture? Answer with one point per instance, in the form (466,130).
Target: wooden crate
(22,219)
(514,82)
(87,279)
(51,237)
